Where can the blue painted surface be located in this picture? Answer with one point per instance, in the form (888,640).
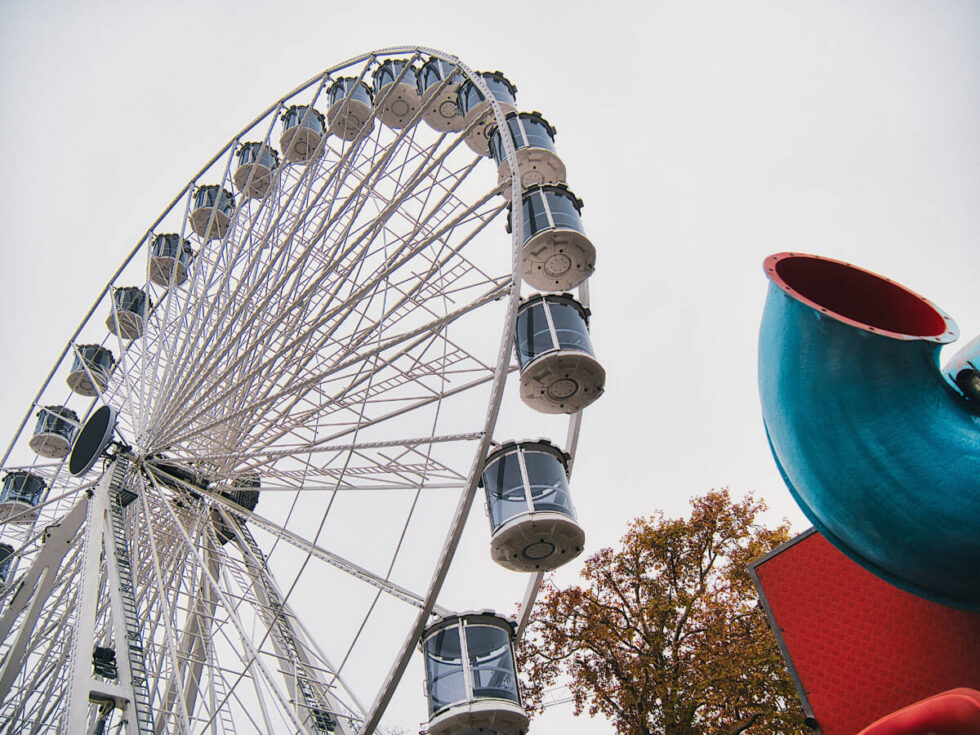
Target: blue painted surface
(881,454)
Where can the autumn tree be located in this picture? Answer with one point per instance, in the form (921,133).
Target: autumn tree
(666,634)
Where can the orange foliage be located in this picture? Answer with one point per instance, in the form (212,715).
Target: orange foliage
(666,635)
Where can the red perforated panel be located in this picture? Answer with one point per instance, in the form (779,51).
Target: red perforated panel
(860,647)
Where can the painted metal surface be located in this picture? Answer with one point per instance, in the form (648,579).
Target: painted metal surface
(879,451)
(857,647)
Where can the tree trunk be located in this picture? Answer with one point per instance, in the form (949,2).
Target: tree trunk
(744,724)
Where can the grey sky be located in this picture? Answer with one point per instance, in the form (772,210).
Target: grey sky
(701,136)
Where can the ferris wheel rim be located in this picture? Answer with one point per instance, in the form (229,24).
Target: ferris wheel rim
(502,366)
(189,186)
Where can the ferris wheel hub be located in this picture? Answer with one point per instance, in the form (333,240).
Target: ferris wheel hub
(313,301)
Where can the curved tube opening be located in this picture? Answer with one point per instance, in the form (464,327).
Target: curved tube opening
(871,441)
(859,298)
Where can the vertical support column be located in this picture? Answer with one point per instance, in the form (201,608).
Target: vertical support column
(83,639)
(105,532)
(34,589)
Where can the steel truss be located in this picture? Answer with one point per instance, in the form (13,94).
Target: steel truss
(347,341)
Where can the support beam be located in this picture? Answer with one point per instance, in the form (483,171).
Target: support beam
(105,539)
(323,712)
(34,590)
(194,648)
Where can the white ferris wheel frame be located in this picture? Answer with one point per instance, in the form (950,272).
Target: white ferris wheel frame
(96,533)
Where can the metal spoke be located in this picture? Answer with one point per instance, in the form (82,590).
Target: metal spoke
(325,373)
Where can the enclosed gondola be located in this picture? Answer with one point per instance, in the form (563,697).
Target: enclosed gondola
(533,138)
(559,372)
(212,211)
(90,370)
(556,254)
(256,164)
(351,112)
(6,560)
(471,680)
(475,108)
(439,83)
(367,284)
(303,127)
(19,496)
(170,260)
(130,305)
(532,519)
(396,92)
(54,432)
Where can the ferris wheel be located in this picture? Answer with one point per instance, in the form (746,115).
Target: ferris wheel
(234,501)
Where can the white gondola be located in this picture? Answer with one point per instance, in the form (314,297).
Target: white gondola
(170,260)
(305,345)
(303,128)
(54,432)
(532,519)
(128,316)
(19,496)
(90,370)
(556,255)
(256,164)
(351,112)
(559,372)
(476,110)
(6,559)
(533,138)
(439,83)
(471,677)
(212,212)
(396,92)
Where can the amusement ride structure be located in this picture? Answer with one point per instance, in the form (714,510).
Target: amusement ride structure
(293,378)
(877,608)
(878,445)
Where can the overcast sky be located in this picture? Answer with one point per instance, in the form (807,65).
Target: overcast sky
(701,136)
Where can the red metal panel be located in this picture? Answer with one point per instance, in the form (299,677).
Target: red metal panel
(859,647)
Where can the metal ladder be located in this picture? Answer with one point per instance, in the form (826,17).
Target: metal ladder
(120,548)
(220,694)
(311,689)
